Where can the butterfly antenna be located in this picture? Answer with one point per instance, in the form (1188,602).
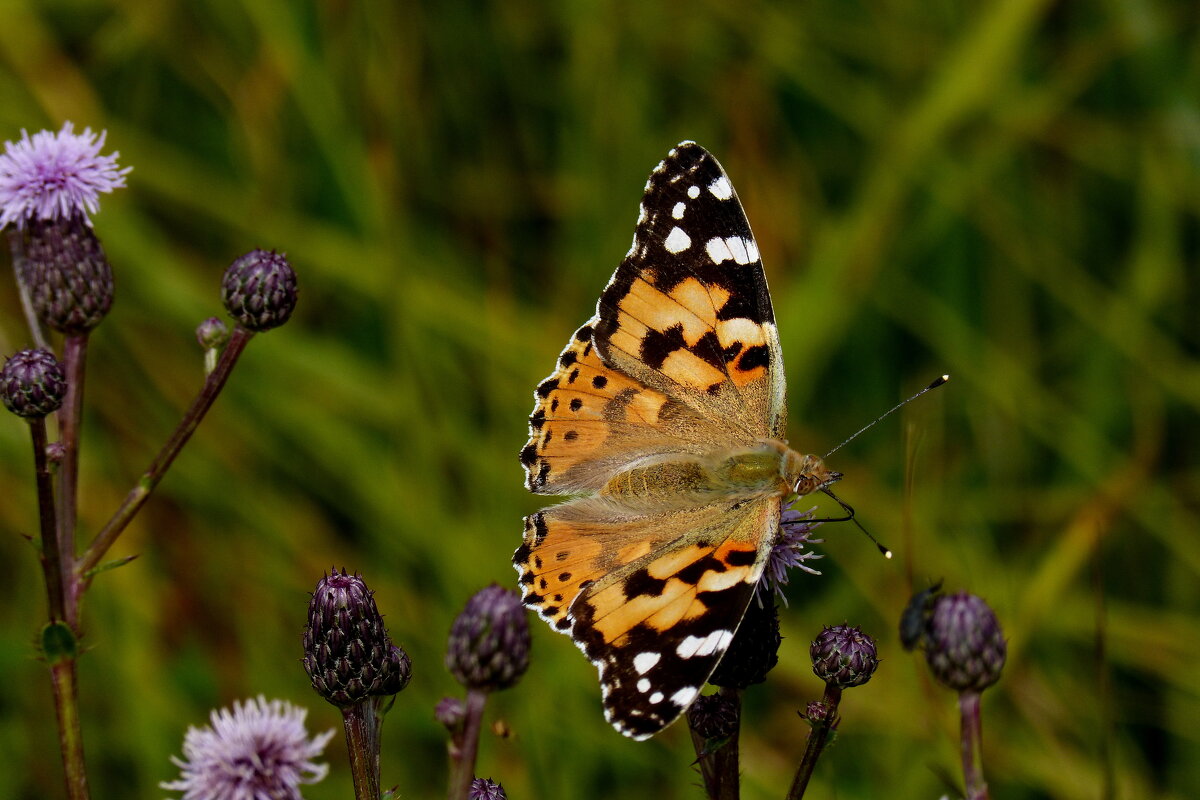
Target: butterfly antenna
(887,553)
(886,414)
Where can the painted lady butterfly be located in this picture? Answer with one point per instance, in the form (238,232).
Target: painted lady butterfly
(666,417)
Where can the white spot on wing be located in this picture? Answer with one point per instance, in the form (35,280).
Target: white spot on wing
(693,192)
(656,698)
(704,646)
(721,189)
(718,250)
(752,249)
(677,241)
(644,662)
(684,697)
(677,211)
(737,246)
(643,685)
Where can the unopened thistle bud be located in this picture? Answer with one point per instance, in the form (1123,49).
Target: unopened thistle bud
(450,711)
(347,652)
(844,656)
(713,716)
(212,333)
(489,641)
(754,650)
(964,645)
(259,290)
(486,789)
(32,383)
(69,278)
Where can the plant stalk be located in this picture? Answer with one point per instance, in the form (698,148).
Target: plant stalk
(462,758)
(363,727)
(720,767)
(972,745)
(70,421)
(51,557)
(70,734)
(817,739)
(150,478)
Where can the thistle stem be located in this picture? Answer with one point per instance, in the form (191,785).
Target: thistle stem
(720,767)
(817,739)
(139,494)
(51,557)
(972,745)
(70,421)
(70,734)
(16,244)
(462,757)
(363,726)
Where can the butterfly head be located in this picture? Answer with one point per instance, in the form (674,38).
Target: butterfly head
(808,474)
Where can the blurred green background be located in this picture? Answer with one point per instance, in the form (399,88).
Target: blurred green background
(1005,190)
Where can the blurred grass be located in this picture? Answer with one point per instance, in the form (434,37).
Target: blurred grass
(1006,191)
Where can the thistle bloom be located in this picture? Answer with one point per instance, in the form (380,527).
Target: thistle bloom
(55,176)
(844,656)
(486,789)
(259,751)
(795,534)
(489,641)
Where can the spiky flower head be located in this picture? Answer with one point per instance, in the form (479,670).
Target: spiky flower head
(713,716)
(259,290)
(489,641)
(69,278)
(844,656)
(347,653)
(754,650)
(55,176)
(964,645)
(486,789)
(32,383)
(816,712)
(789,551)
(259,750)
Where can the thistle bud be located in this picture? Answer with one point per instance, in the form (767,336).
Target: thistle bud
(816,712)
(486,789)
(32,383)
(489,642)
(259,290)
(713,716)
(964,645)
(69,278)
(754,650)
(347,653)
(450,711)
(844,656)
(212,333)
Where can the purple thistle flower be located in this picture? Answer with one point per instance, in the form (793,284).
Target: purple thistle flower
(259,751)
(486,789)
(55,176)
(795,534)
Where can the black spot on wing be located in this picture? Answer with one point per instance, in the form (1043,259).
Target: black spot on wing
(757,356)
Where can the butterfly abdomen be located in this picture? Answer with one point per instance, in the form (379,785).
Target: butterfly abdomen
(686,480)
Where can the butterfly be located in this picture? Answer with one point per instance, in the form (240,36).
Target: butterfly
(665,418)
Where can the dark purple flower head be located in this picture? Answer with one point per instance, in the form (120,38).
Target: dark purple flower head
(964,645)
(789,551)
(32,383)
(713,716)
(816,712)
(754,650)
(55,176)
(486,789)
(347,652)
(489,641)
(259,750)
(259,290)
(69,278)
(844,656)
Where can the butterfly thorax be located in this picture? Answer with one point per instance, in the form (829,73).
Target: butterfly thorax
(768,468)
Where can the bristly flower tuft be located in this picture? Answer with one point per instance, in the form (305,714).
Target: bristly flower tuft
(486,789)
(259,750)
(55,176)
(789,551)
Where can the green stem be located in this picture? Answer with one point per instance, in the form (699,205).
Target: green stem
(817,739)
(70,420)
(972,745)
(462,767)
(720,767)
(150,478)
(70,735)
(363,727)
